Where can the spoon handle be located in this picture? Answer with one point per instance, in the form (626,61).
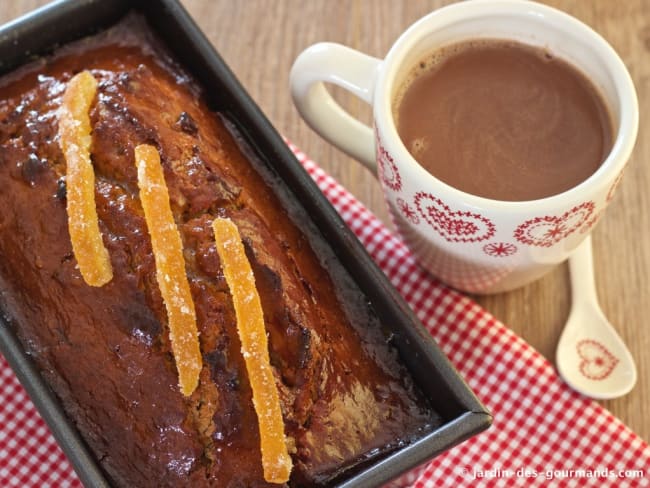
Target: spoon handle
(581,266)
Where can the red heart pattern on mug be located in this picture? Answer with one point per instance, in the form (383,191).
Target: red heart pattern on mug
(612,189)
(550,229)
(597,362)
(454,226)
(591,222)
(387,169)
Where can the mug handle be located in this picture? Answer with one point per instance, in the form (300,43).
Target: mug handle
(349,69)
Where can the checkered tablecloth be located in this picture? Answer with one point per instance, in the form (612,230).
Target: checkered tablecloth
(543,434)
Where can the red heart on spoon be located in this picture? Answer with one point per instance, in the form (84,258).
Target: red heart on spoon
(597,362)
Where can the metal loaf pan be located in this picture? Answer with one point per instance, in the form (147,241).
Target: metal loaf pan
(41,31)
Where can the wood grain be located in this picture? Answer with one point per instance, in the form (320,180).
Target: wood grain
(259,39)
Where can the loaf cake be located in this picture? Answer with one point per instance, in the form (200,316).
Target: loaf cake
(105,350)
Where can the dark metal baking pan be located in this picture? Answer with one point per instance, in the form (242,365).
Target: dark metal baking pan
(40,32)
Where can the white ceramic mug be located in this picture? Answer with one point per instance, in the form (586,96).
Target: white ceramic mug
(471,243)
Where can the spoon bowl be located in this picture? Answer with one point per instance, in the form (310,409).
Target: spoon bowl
(591,357)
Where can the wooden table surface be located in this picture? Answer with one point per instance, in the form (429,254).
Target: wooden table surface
(259,39)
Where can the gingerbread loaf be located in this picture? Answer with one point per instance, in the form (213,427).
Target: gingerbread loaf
(105,351)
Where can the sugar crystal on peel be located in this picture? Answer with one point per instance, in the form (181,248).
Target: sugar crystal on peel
(75,141)
(276,461)
(170,267)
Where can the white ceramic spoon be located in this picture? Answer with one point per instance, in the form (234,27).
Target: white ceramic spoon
(590,356)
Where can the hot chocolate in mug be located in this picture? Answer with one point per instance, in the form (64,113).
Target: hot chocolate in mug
(473,243)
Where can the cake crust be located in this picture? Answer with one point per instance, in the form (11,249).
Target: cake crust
(105,351)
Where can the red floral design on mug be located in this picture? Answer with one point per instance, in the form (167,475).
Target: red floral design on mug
(597,362)
(454,226)
(550,229)
(499,249)
(387,169)
(407,211)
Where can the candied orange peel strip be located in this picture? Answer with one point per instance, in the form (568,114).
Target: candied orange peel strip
(276,461)
(75,141)
(170,267)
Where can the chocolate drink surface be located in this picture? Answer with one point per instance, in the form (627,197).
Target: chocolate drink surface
(503,120)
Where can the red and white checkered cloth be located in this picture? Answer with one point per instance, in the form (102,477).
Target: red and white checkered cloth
(543,434)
